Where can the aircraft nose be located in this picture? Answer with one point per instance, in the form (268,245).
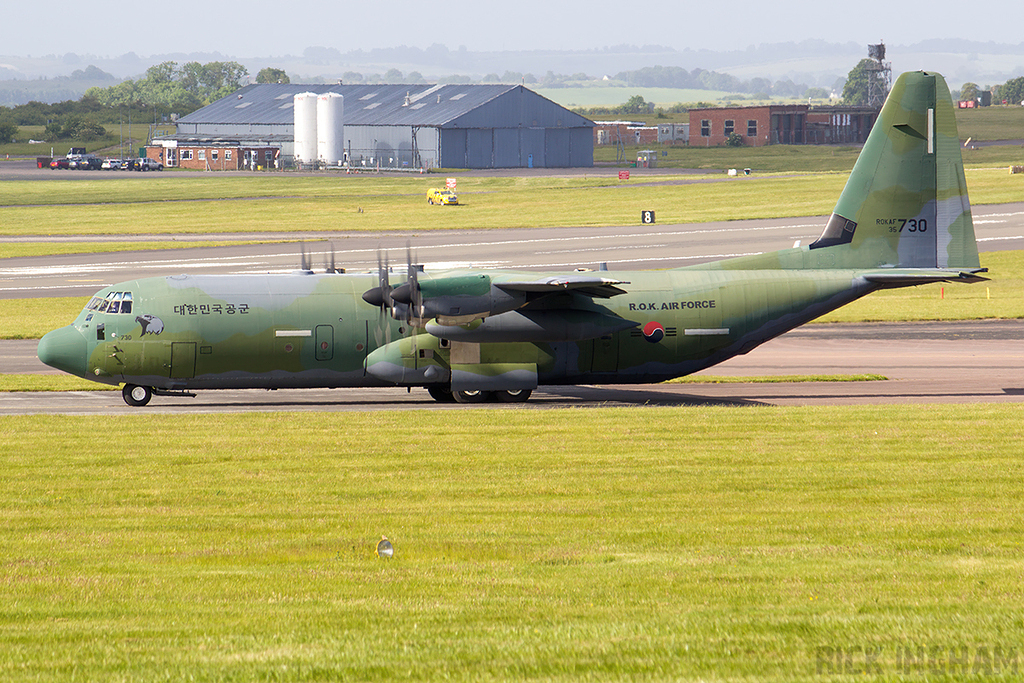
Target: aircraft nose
(64,349)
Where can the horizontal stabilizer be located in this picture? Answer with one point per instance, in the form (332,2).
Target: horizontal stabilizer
(908,277)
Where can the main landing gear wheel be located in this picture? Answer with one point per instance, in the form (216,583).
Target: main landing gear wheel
(521,396)
(471,396)
(136,396)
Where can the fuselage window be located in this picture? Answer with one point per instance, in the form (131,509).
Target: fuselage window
(115,303)
(126,303)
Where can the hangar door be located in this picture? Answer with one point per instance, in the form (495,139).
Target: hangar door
(556,145)
(506,147)
(479,148)
(533,148)
(467,148)
(453,149)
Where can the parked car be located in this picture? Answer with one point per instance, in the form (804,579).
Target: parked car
(111,165)
(439,196)
(86,162)
(60,162)
(146,164)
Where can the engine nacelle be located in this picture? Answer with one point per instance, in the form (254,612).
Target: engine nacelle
(457,299)
(410,361)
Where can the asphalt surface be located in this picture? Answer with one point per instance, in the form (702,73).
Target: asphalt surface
(635,247)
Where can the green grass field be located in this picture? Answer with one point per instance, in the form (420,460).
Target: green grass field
(630,544)
(615,95)
(119,138)
(195,204)
(991,123)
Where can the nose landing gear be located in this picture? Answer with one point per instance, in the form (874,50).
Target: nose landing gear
(136,396)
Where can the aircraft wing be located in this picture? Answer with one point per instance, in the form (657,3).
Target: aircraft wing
(921,276)
(588,285)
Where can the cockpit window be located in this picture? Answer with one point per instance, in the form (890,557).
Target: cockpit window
(114,302)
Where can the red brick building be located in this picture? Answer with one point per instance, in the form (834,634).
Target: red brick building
(215,154)
(789,124)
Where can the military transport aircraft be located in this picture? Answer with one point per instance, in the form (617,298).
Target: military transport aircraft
(470,335)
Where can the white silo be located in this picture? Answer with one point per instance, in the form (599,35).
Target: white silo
(330,128)
(305,128)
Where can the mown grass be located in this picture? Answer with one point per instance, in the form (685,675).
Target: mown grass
(628,544)
(23,249)
(990,123)
(189,205)
(61,382)
(32,318)
(1001,297)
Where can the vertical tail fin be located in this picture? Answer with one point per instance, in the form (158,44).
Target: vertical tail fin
(905,204)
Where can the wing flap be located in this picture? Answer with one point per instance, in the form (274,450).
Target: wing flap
(588,285)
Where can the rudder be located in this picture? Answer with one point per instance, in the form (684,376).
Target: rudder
(905,204)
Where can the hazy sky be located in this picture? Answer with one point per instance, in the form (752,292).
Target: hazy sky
(270,28)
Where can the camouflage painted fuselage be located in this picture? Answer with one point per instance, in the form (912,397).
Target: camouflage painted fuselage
(307,330)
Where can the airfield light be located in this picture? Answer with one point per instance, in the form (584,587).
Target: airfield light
(384,548)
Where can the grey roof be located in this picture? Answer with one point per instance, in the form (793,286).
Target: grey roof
(226,140)
(374,105)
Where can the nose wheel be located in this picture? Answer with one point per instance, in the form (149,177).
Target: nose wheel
(136,396)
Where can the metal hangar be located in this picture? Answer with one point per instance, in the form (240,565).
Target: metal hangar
(408,127)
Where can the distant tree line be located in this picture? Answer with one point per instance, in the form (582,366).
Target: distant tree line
(702,79)
(1012,91)
(650,77)
(166,88)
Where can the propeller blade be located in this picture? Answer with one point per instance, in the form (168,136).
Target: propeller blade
(380,295)
(330,268)
(415,294)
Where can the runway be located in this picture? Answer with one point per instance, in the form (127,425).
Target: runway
(924,363)
(638,247)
